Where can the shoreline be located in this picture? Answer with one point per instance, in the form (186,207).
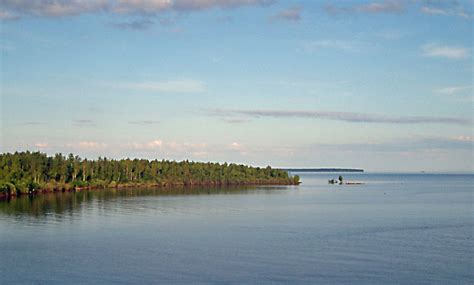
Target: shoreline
(69,188)
(27,173)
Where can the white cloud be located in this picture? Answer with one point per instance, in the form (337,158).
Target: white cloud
(41,145)
(452,90)
(169,147)
(155,143)
(433,11)
(171,86)
(446,10)
(235,146)
(464,139)
(86,145)
(238,148)
(451,52)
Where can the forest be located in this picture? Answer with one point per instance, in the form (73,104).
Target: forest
(29,172)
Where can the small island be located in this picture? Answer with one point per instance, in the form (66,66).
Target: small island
(342,181)
(35,172)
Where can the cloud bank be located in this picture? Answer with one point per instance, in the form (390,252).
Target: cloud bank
(63,8)
(351,117)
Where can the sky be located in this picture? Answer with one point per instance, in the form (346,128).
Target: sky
(379,85)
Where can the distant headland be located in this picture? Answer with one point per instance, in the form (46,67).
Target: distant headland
(323,169)
(35,172)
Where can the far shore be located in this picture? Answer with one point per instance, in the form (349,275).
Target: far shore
(324,169)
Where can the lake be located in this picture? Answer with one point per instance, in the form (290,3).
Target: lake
(395,228)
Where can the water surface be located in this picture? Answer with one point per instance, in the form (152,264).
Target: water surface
(396,228)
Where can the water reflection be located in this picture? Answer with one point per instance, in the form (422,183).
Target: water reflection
(69,202)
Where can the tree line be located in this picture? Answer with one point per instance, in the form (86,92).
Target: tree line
(26,172)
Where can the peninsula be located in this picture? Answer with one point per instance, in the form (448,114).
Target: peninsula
(33,172)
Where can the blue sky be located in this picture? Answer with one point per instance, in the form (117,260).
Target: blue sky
(381,85)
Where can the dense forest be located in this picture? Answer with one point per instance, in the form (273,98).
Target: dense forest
(27,172)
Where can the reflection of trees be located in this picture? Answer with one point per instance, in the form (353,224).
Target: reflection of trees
(73,202)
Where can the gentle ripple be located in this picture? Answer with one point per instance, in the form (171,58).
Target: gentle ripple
(394,229)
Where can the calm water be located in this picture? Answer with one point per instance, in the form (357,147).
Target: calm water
(393,229)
